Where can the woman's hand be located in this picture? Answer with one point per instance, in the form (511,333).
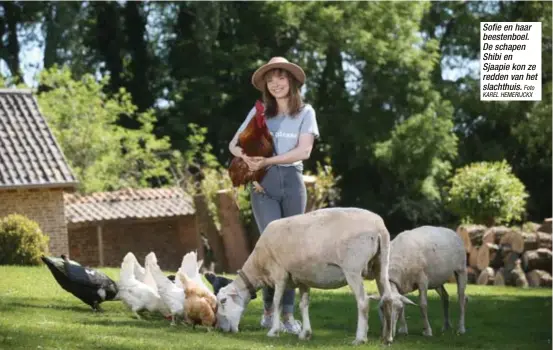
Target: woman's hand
(256,163)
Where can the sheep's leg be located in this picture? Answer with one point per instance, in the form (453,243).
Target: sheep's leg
(445,304)
(277,298)
(403,324)
(423,298)
(461,285)
(304,307)
(355,282)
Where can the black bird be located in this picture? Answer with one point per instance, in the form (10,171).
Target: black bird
(89,285)
(217,282)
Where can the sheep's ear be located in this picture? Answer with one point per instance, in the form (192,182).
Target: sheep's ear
(406,300)
(373,297)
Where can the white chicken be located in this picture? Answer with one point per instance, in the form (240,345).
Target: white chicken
(171,294)
(138,270)
(191,267)
(136,294)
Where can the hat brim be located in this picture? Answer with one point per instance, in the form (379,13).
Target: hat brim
(294,69)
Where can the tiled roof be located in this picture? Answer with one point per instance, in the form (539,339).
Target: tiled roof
(127,204)
(29,153)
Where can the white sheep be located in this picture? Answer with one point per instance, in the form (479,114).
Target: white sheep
(425,258)
(325,249)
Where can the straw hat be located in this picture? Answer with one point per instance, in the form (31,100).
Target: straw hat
(277,62)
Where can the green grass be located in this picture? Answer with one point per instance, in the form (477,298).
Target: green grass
(35,313)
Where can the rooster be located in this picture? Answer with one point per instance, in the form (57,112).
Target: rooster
(255,141)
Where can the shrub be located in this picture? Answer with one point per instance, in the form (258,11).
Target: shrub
(487,193)
(325,192)
(21,241)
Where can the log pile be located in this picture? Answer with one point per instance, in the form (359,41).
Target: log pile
(505,256)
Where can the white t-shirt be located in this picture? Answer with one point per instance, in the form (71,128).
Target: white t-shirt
(286,130)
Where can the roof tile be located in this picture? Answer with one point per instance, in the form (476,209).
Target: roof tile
(29,154)
(127,204)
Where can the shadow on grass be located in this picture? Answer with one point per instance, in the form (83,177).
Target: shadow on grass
(12,304)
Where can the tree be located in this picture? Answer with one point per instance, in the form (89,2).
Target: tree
(104,155)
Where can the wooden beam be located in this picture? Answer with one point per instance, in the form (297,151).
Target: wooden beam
(100,245)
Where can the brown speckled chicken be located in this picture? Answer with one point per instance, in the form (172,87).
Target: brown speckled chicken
(199,306)
(255,140)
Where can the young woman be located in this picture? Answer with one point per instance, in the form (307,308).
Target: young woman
(294,128)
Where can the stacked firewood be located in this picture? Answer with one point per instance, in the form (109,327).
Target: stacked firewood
(505,256)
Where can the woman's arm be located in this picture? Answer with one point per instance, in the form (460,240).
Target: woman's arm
(301,152)
(233,144)
(234,148)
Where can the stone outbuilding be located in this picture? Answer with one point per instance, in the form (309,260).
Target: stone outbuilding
(34,173)
(104,226)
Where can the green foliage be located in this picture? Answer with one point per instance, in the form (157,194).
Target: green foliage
(198,170)
(104,155)
(21,241)
(418,159)
(325,192)
(487,193)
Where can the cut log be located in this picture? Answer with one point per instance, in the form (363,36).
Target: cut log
(544,240)
(473,257)
(474,232)
(546,226)
(489,237)
(531,240)
(463,233)
(509,260)
(514,239)
(539,259)
(493,249)
(483,257)
(497,260)
(539,278)
(486,277)
(499,278)
(497,232)
(519,276)
(471,275)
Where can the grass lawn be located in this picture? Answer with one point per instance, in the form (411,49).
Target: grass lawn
(35,313)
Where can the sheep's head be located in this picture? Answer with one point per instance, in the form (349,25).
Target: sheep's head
(390,307)
(231,303)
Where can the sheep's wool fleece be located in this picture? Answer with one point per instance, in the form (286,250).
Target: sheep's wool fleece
(331,236)
(433,251)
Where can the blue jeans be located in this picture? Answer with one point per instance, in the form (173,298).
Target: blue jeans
(285,195)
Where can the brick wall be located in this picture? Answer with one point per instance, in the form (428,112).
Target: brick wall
(45,206)
(169,238)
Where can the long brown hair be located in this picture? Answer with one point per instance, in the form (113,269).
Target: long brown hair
(295,102)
